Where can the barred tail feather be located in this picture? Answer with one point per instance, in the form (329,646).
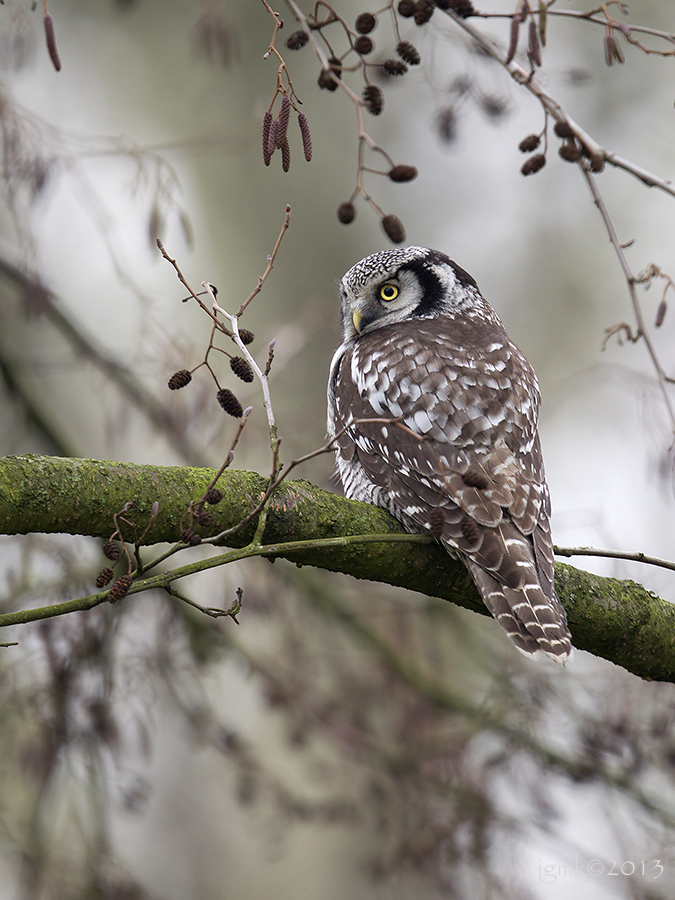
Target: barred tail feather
(536,624)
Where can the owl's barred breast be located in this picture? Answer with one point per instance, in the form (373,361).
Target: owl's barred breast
(435,412)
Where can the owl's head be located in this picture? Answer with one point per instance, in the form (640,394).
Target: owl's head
(413,282)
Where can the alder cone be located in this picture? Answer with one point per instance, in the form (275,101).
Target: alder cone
(394,229)
(120,588)
(230,403)
(373,99)
(346,213)
(365,23)
(529,143)
(406,8)
(179,380)
(403,173)
(533,164)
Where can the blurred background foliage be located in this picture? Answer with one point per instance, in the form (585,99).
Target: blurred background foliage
(345,739)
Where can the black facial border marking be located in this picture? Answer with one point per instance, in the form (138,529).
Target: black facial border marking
(432,287)
(433,290)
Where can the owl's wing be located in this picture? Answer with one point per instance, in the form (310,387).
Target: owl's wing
(456,452)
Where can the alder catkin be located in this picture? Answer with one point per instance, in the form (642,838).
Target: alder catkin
(406,8)
(285,155)
(272,138)
(365,23)
(112,550)
(408,53)
(297,40)
(267,122)
(534,48)
(394,67)
(660,314)
(529,143)
(346,213)
(402,173)
(513,40)
(569,152)
(306,136)
(104,577)
(363,45)
(282,120)
(533,164)
(423,11)
(213,496)
(51,42)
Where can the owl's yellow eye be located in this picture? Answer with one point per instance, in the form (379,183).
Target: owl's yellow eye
(388,292)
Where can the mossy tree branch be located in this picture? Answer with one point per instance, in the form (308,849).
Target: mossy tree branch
(618,620)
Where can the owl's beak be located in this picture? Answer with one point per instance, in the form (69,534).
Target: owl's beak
(357,319)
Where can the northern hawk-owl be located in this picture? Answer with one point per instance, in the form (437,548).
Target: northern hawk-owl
(458,454)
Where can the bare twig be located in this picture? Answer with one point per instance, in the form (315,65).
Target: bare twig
(262,377)
(631,281)
(624,28)
(213,611)
(216,321)
(167,578)
(614,554)
(51,37)
(270,262)
(229,458)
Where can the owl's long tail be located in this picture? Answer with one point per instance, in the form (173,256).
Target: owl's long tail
(536,623)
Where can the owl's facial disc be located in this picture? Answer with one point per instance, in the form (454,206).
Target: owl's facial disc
(390,298)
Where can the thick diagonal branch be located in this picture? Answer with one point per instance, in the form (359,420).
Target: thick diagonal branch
(618,620)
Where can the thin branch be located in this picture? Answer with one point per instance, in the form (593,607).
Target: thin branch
(213,611)
(631,281)
(568,552)
(625,29)
(166,579)
(270,261)
(214,318)
(229,457)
